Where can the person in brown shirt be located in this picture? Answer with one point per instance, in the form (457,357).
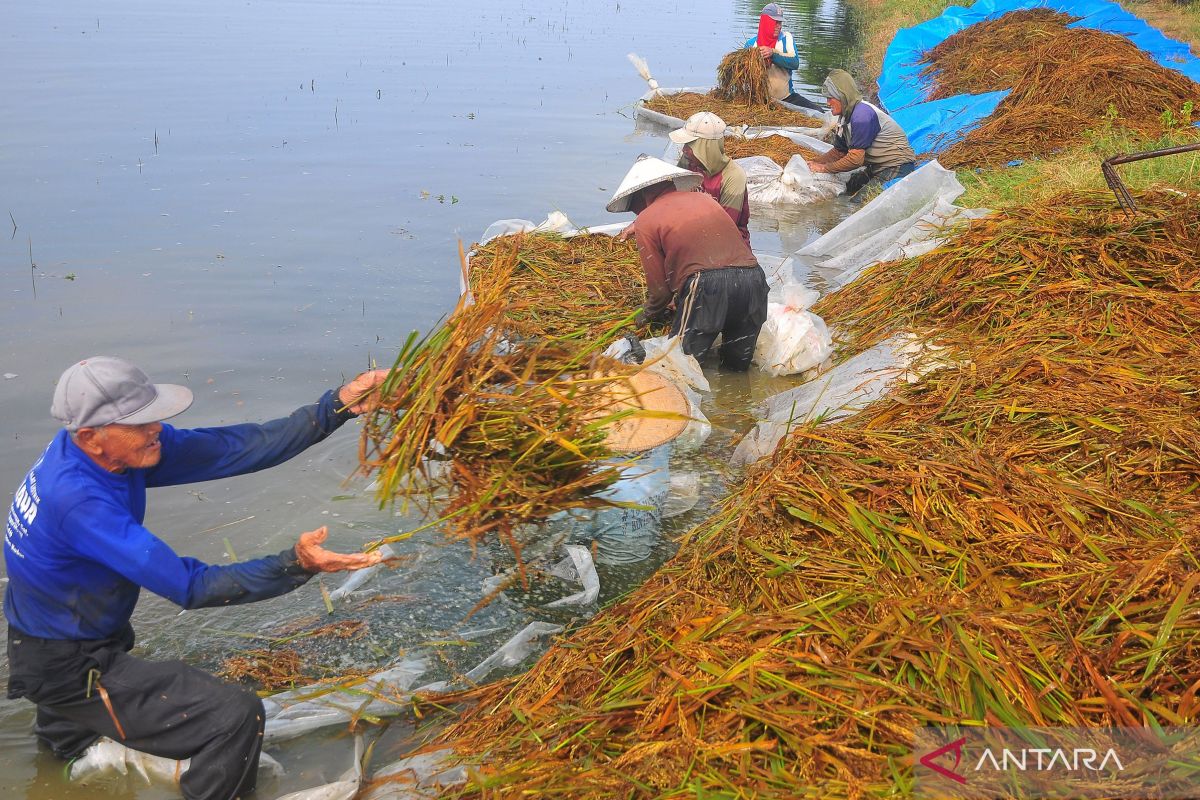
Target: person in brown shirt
(695,261)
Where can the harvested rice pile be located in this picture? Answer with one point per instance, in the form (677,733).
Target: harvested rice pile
(991,55)
(779,149)
(1011,541)
(685,104)
(585,284)
(1063,84)
(487,430)
(742,78)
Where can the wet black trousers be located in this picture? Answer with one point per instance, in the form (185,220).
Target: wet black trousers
(731,302)
(861,178)
(87,689)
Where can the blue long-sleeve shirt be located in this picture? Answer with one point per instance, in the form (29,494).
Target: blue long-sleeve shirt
(785,56)
(78,555)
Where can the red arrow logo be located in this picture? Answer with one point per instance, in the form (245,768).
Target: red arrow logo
(927,760)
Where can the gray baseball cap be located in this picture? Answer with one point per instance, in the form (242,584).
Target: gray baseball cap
(773,11)
(103,390)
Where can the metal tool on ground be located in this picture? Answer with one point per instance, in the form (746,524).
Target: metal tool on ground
(1113,178)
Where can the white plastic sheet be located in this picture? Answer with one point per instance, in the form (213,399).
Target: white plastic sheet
(793,339)
(420,777)
(514,651)
(848,387)
(344,788)
(580,558)
(908,219)
(292,713)
(359,577)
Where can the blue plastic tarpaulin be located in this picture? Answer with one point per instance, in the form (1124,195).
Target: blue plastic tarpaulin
(932,126)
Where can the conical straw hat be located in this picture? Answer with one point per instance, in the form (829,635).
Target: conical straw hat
(650,392)
(647,171)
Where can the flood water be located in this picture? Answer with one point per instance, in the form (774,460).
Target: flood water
(259,199)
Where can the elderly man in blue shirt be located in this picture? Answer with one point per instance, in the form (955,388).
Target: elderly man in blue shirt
(78,557)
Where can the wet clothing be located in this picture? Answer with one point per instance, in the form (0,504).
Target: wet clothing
(165,708)
(692,253)
(729,302)
(860,179)
(862,126)
(680,234)
(78,557)
(723,180)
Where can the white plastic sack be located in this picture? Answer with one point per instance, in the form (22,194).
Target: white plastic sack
(793,339)
(795,184)
(665,356)
(906,220)
(295,712)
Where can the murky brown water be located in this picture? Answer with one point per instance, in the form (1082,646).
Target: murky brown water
(258,199)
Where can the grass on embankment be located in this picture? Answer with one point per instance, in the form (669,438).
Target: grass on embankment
(1074,169)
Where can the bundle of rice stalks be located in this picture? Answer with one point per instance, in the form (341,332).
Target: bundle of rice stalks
(779,149)
(990,55)
(684,104)
(742,78)
(490,430)
(1011,541)
(578,287)
(1074,81)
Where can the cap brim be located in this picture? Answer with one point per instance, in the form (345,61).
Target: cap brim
(682,136)
(172,400)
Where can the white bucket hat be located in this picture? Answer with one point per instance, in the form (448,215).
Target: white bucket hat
(646,172)
(704,125)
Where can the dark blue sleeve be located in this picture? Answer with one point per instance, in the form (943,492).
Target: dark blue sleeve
(109,535)
(864,127)
(245,581)
(204,454)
